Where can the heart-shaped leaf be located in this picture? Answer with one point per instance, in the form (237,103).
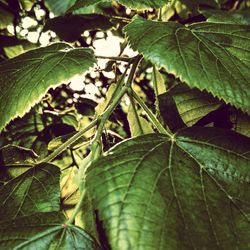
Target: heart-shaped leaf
(186,192)
(44,231)
(211,56)
(36,190)
(27,77)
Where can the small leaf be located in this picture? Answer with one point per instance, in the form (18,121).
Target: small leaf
(59,7)
(36,190)
(62,25)
(100,108)
(138,125)
(6,17)
(211,56)
(185,192)
(233,17)
(26,78)
(133,4)
(44,231)
(190,104)
(12,155)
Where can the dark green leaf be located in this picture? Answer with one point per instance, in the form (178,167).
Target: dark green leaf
(62,25)
(186,192)
(183,104)
(196,3)
(6,17)
(44,231)
(134,4)
(233,17)
(59,7)
(211,56)
(36,190)
(11,155)
(26,78)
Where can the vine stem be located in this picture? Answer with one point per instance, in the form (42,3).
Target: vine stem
(150,115)
(115,58)
(73,139)
(96,142)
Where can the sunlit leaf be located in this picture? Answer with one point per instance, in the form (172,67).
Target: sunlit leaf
(36,190)
(26,78)
(211,56)
(188,192)
(44,231)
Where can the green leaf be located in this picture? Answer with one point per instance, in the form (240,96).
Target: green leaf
(185,192)
(233,17)
(138,4)
(194,3)
(6,17)
(62,25)
(12,155)
(59,7)
(44,231)
(138,125)
(36,190)
(26,78)
(211,56)
(190,104)
(241,122)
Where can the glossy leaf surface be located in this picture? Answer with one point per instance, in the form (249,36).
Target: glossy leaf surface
(26,78)
(190,192)
(211,56)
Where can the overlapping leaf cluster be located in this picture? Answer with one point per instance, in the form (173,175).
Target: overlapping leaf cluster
(186,189)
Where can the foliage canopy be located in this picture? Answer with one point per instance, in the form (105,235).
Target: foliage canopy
(146,147)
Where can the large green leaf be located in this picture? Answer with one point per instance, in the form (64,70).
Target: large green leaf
(36,190)
(188,192)
(26,78)
(138,4)
(43,231)
(211,56)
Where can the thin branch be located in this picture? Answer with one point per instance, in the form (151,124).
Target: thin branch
(68,143)
(150,115)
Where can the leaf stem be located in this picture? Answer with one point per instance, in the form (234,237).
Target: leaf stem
(115,58)
(150,115)
(136,115)
(66,144)
(96,143)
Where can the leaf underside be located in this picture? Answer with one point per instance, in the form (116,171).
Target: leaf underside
(187,193)
(26,78)
(211,56)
